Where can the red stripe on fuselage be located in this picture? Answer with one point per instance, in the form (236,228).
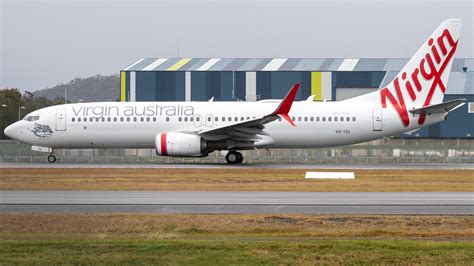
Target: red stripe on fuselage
(164,152)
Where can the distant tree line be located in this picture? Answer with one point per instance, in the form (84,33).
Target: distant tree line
(97,88)
(12,101)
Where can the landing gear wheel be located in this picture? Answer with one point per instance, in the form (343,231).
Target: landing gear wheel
(51,158)
(234,157)
(240,158)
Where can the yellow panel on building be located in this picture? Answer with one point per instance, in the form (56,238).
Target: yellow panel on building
(123,86)
(179,64)
(317,85)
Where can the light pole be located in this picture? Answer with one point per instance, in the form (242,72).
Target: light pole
(65,96)
(4,122)
(19,111)
(19,118)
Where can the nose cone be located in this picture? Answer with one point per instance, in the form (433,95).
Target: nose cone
(11,131)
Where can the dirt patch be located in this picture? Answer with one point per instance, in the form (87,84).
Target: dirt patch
(232,180)
(165,226)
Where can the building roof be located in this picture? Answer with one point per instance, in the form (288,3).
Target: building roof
(282,64)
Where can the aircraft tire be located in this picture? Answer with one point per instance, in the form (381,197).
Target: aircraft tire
(51,158)
(232,157)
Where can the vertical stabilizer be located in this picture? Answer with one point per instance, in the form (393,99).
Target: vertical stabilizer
(422,82)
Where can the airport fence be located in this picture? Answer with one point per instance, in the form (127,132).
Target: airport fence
(266,159)
(410,151)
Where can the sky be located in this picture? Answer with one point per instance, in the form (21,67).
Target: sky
(46,42)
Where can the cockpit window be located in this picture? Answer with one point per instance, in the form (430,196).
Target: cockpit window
(31,118)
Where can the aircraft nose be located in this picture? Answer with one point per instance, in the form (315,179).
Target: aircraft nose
(11,131)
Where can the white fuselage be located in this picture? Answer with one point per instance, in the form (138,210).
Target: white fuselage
(135,124)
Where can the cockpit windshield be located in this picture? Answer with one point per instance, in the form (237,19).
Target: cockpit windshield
(31,118)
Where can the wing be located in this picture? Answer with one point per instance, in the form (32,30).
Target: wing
(251,133)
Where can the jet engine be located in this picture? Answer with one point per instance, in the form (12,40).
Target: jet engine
(179,144)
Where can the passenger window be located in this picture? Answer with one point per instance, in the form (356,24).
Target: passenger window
(209,119)
(167,119)
(109,119)
(191,119)
(74,119)
(128,119)
(230,119)
(198,119)
(293,118)
(306,119)
(335,119)
(115,119)
(348,119)
(342,119)
(329,119)
(311,119)
(353,119)
(180,119)
(216,119)
(121,119)
(103,119)
(248,118)
(148,119)
(135,119)
(142,119)
(236,118)
(317,119)
(324,119)
(223,119)
(79,119)
(241,118)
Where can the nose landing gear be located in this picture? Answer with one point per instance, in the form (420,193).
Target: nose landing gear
(51,158)
(234,157)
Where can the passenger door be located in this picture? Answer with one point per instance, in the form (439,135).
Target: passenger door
(209,120)
(197,121)
(377,119)
(61,119)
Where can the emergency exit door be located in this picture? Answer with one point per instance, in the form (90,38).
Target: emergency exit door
(61,119)
(377,119)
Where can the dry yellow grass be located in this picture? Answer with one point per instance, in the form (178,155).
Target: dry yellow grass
(183,226)
(232,180)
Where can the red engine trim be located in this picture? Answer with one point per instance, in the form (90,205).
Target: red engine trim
(164,151)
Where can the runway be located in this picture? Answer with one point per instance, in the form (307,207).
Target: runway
(236,202)
(405,166)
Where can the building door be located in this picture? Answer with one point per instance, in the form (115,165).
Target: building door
(377,120)
(209,120)
(60,119)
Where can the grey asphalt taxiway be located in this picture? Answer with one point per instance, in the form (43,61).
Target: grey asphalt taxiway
(236,202)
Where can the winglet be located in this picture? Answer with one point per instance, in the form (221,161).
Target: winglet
(285,105)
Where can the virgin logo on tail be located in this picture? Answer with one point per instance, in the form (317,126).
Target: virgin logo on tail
(428,71)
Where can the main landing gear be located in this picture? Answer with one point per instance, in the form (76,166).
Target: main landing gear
(234,157)
(51,158)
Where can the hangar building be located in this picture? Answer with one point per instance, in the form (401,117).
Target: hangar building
(253,79)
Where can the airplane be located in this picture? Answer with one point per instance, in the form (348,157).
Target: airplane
(195,129)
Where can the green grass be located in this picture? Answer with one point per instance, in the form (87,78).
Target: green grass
(205,252)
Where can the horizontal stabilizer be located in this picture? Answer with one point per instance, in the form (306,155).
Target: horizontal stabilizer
(440,107)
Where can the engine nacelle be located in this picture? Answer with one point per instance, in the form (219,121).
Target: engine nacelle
(179,144)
